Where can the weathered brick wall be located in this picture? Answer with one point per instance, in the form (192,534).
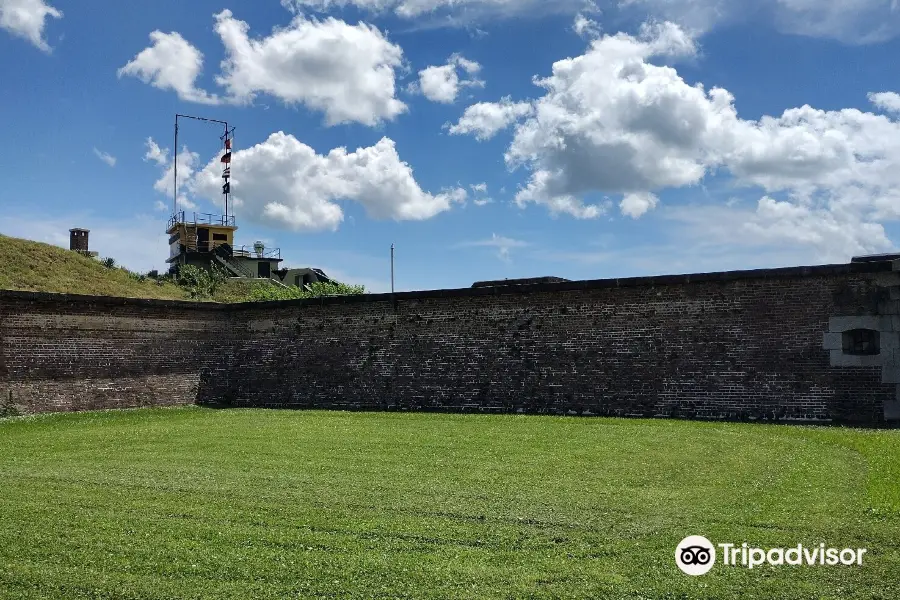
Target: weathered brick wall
(65,353)
(734,345)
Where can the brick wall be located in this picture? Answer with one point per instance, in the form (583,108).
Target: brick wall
(729,345)
(64,353)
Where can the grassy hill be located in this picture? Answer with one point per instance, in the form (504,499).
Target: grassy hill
(37,267)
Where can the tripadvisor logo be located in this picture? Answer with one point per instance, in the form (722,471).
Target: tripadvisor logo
(696,555)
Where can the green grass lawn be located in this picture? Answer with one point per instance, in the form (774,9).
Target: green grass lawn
(198,503)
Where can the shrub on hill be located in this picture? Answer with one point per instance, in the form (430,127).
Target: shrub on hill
(264,293)
(200,283)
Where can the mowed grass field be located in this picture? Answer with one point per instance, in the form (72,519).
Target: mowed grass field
(199,503)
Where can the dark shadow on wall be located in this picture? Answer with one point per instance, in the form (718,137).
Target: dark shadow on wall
(304,375)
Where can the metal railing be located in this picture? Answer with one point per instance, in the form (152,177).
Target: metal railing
(234,267)
(250,252)
(207,246)
(195,245)
(200,219)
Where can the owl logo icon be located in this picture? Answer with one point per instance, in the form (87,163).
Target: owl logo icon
(695,555)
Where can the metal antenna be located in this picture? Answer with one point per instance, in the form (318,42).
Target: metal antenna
(175,164)
(175,157)
(227,137)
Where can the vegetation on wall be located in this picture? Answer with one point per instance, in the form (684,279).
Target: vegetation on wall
(262,293)
(7,408)
(199,283)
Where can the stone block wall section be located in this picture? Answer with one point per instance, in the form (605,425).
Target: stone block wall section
(65,352)
(739,345)
(757,345)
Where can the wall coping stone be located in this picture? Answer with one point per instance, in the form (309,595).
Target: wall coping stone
(566,286)
(586,284)
(50,297)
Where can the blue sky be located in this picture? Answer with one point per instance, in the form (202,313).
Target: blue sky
(486,139)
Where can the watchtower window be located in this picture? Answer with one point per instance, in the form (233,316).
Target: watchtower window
(861,342)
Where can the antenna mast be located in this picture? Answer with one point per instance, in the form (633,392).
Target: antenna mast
(227,140)
(175,165)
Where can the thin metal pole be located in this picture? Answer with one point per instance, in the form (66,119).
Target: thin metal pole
(175,163)
(229,135)
(392,268)
(201,119)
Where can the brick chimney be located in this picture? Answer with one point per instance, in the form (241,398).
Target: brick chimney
(78,240)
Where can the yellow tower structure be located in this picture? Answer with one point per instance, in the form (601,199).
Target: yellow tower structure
(202,238)
(206,240)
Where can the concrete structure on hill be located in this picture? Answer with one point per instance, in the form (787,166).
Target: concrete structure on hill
(524,281)
(205,240)
(301,277)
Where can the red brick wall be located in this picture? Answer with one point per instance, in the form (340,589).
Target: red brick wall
(64,353)
(734,345)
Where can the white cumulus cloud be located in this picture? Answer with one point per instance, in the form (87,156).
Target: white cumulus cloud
(170,63)
(586,27)
(345,71)
(480,191)
(485,119)
(820,227)
(886,101)
(613,121)
(27,18)
(156,154)
(285,183)
(635,204)
(443,84)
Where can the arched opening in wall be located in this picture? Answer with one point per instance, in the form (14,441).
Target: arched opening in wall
(861,342)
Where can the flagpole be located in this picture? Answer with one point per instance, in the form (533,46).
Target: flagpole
(227,149)
(228,138)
